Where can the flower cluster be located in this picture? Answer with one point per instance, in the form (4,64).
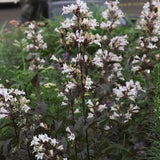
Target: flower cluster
(125,101)
(12,102)
(148,23)
(140,64)
(108,61)
(35,44)
(79,9)
(123,117)
(75,31)
(118,43)
(45,147)
(95,107)
(149,15)
(147,43)
(36,64)
(112,16)
(130,90)
(35,39)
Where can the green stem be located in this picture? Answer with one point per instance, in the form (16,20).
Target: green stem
(23,60)
(156,88)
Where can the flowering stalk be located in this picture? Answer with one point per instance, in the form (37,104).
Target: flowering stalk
(75,32)
(148,24)
(46,148)
(34,46)
(13,106)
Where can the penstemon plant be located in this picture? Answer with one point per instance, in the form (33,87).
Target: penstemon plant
(147,58)
(81,92)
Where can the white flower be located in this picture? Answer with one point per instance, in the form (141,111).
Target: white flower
(29,35)
(73,7)
(67,23)
(44,137)
(96,40)
(149,17)
(127,116)
(69,9)
(77,110)
(151,46)
(54,58)
(40,142)
(91,23)
(25,108)
(5,94)
(64,104)
(3,113)
(54,142)
(69,86)
(77,59)
(35,141)
(51,152)
(156,3)
(39,37)
(67,69)
(134,108)
(119,92)
(102,107)
(107,128)
(106,25)
(97,61)
(60,147)
(114,116)
(90,103)
(42,125)
(130,90)
(90,115)
(31,26)
(88,83)
(18,92)
(39,156)
(154,39)
(79,36)
(135,68)
(71,135)
(112,15)
(118,42)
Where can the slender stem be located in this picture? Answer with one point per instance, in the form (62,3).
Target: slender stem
(82,52)
(75,147)
(73,122)
(88,155)
(84,105)
(23,60)
(37,86)
(15,129)
(28,150)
